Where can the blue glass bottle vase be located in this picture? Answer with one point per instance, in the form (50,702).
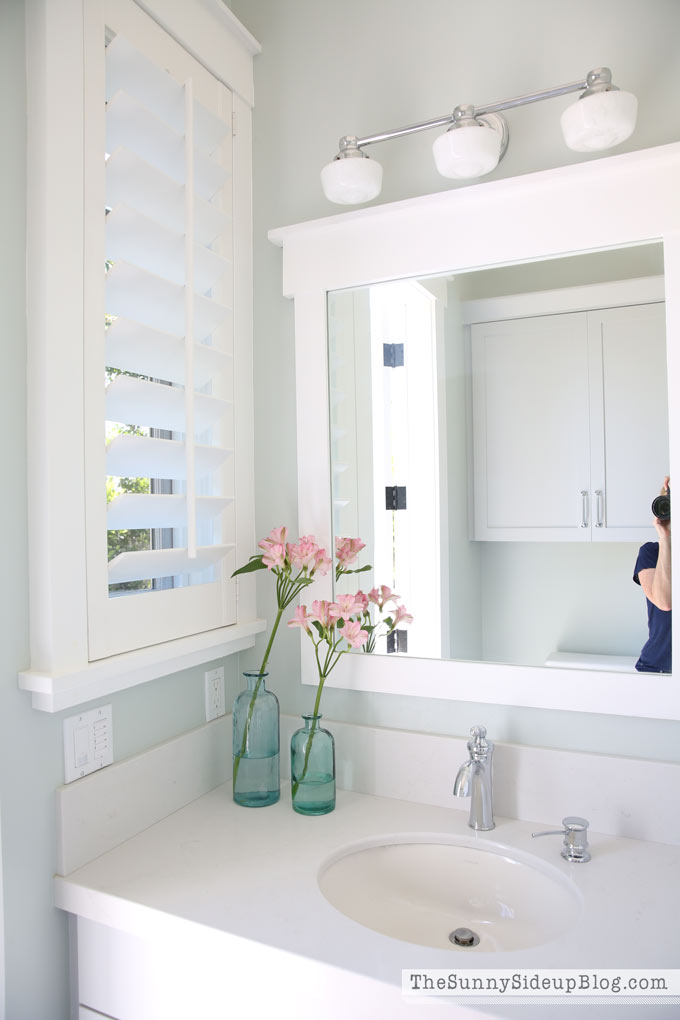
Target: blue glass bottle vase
(312,768)
(256,744)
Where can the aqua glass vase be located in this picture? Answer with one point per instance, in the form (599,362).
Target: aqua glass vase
(312,768)
(256,744)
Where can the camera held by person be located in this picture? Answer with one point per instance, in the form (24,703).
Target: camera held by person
(661,506)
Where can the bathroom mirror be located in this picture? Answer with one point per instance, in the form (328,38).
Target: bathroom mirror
(605,205)
(496,439)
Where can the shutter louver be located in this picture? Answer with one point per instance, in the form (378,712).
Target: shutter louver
(169,287)
(134,511)
(130,456)
(149,352)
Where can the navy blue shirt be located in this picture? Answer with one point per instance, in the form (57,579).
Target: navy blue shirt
(655,657)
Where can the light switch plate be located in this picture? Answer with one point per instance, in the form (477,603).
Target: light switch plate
(88,742)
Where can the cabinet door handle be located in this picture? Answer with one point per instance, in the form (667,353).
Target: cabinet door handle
(599,523)
(584,508)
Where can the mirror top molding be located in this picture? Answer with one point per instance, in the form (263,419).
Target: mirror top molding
(613,202)
(603,203)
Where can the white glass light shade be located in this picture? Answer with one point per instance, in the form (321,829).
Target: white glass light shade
(470,151)
(352,180)
(599,121)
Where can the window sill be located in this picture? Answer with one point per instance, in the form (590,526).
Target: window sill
(52,692)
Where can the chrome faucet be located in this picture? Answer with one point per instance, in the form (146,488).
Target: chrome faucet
(474,780)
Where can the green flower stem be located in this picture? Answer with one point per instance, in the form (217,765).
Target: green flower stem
(256,689)
(286,591)
(324,672)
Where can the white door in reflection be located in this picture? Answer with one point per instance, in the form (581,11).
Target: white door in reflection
(407,534)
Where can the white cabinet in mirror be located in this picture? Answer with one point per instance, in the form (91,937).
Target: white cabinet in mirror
(526,416)
(570,425)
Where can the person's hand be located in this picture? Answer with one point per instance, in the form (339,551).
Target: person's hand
(663,528)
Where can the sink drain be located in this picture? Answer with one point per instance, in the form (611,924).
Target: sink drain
(464,937)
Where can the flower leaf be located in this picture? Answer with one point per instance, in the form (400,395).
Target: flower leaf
(254,563)
(340,571)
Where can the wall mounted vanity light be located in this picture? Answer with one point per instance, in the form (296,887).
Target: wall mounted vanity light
(477,137)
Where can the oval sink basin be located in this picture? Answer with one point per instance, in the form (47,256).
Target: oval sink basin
(423,890)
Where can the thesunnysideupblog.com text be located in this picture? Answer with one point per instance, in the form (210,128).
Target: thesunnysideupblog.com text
(640,985)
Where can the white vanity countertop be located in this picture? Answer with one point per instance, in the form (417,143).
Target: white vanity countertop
(252,874)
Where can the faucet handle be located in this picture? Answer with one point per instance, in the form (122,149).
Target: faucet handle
(479,745)
(575,835)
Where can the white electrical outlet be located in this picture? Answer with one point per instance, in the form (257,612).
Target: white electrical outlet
(214,693)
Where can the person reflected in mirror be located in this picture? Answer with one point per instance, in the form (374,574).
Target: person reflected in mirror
(653,574)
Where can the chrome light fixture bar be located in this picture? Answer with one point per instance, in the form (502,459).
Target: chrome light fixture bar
(602,117)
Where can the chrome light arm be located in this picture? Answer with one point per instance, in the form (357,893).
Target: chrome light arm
(597,80)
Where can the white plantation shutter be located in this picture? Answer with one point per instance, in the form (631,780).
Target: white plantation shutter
(167,411)
(140,381)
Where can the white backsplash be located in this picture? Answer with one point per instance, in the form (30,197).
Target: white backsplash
(619,796)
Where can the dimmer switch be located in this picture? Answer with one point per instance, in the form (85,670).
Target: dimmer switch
(81,746)
(87,743)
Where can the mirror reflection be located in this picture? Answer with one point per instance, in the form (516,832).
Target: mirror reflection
(497,439)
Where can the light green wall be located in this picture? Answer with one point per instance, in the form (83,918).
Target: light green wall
(329,69)
(29,743)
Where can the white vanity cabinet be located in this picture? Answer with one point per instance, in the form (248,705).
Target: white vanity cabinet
(570,425)
(214,912)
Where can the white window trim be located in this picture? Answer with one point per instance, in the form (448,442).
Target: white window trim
(60,673)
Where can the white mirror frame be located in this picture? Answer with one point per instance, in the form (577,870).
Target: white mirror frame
(605,203)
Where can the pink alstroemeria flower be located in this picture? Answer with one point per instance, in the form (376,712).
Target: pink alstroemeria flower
(344,606)
(277,536)
(274,556)
(322,563)
(300,618)
(347,550)
(303,553)
(381,596)
(320,613)
(363,599)
(401,616)
(353,634)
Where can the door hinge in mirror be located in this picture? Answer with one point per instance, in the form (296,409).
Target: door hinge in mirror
(395,497)
(393,355)
(397,641)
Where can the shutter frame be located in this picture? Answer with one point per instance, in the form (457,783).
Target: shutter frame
(65,90)
(144,291)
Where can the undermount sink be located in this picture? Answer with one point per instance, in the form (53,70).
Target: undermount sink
(423,888)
